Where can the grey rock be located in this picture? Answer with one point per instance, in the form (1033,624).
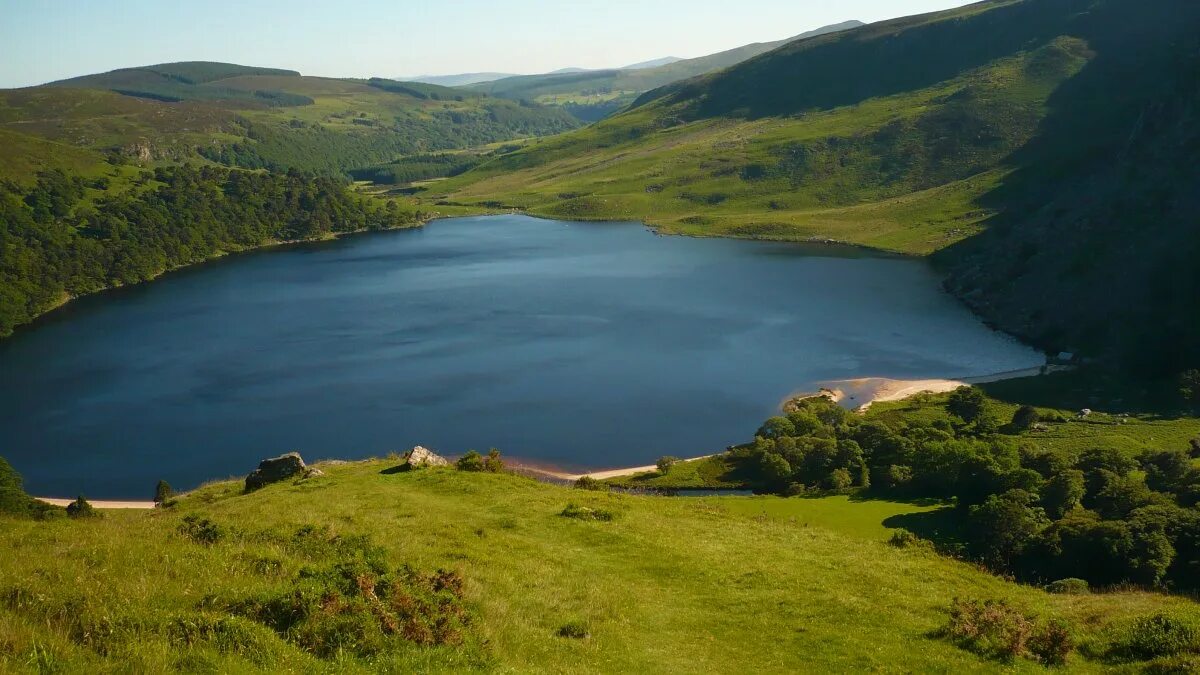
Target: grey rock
(420,458)
(274,470)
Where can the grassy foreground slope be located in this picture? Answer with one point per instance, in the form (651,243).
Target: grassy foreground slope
(669,585)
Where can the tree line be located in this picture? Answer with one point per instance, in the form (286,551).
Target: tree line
(56,244)
(1101,515)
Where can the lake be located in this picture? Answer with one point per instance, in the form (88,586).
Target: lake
(581,345)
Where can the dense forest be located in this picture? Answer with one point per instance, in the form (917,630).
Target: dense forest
(55,245)
(1099,514)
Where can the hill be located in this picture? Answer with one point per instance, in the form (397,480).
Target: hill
(90,177)
(594,94)
(1015,118)
(458,80)
(366,569)
(653,63)
(261,117)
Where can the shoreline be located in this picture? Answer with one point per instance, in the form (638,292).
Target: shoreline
(869,390)
(68,299)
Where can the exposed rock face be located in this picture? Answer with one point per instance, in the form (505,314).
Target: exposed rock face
(419,458)
(275,470)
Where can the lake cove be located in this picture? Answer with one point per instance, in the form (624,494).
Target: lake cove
(574,344)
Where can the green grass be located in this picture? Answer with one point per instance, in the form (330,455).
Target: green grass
(671,585)
(904,172)
(1128,415)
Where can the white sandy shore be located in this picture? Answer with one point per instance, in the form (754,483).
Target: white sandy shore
(99,504)
(599,475)
(868,390)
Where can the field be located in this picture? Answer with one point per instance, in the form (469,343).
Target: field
(669,585)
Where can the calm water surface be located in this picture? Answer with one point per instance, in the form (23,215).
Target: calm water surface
(591,345)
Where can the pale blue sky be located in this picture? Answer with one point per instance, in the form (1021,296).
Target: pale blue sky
(44,40)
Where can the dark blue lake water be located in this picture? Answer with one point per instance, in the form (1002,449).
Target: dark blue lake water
(580,345)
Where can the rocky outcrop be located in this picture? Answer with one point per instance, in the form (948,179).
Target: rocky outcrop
(420,458)
(274,470)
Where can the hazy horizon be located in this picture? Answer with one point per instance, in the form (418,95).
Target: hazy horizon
(43,43)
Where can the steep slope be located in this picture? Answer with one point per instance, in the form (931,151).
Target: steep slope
(918,133)
(595,94)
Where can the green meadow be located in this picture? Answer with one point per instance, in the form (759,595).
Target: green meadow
(668,585)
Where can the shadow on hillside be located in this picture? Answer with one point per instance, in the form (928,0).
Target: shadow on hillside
(945,527)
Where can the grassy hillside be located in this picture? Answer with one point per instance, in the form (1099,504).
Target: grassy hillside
(594,94)
(1065,129)
(669,585)
(254,118)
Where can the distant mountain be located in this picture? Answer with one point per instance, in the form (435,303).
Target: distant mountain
(1045,150)
(459,80)
(249,117)
(565,71)
(664,61)
(595,94)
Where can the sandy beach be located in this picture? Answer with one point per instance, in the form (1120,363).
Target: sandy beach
(99,504)
(862,392)
(598,475)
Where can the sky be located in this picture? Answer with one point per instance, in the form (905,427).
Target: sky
(46,40)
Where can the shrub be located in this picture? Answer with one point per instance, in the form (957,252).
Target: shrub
(472,461)
(665,463)
(905,539)
(990,628)
(589,483)
(492,463)
(575,629)
(163,493)
(202,530)
(1052,643)
(1161,635)
(361,607)
(80,508)
(577,512)
(1025,417)
(1070,586)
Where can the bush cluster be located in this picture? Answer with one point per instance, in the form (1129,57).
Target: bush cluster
(1100,515)
(996,629)
(473,461)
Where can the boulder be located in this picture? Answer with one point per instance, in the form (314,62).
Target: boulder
(274,470)
(420,458)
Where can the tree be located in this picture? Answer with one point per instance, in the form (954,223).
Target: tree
(162,492)
(1004,525)
(1025,417)
(1189,387)
(665,463)
(775,469)
(1063,492)
(777,427)
(967,403)
(13,500)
